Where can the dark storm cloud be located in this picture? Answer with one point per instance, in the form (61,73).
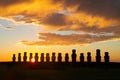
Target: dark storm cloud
(109,9)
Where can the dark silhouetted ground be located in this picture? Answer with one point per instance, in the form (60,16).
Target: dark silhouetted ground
(59,71)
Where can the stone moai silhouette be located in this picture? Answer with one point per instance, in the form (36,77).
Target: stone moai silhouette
(47,57)
(42,57)
(31,56)
(53,57)
(89,57)
(66,57)
(82,57)
(36,57)
(13,58)
(25,57)
(59,57)
(73,55)
(19,57)
(106,57)
(98,57)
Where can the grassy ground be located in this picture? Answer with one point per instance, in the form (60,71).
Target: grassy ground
(82,73)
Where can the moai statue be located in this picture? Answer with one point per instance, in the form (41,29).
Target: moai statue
(59,57)
(106,57)
(25,57)
(73,55)
(89,57)
(31,56)
(13,58)
(42,57)
(53,57)
(36,57)
(19,57)
(98,57)
(66,58)
(47,57)
(82,57)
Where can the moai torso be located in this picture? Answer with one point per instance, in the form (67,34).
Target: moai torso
(31,56)
(59,57)
(25,57)
(19,57)
(13,58)
(66,58)
(106,57)
(73,55)
(82,57)
(98,57)
(42,57)
(36,57)
(53,57)
(89,57)
(47,57)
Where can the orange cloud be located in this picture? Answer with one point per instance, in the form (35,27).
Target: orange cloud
(89,16)
(80,11)
(47,39)
(5,3)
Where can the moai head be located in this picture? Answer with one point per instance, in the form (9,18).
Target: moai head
(89,53)
(42,54)
(36,54)
(106,54)
(30,54)
(53,54)
(19,54)
(81,54)
(13,55)
(25,53)
(73,51)
(47,55)
(66,55)
(59,54)
(98,52)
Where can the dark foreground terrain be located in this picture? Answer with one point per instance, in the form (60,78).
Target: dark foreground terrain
(59,71)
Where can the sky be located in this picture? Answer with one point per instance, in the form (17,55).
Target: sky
(59,26)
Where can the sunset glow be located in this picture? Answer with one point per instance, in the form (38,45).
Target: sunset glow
(33,60)
(47,26)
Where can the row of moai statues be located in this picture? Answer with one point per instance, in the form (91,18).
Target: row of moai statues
(59,58)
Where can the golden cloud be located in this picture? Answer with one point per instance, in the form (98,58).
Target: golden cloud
(96,16)
(46,11)
(48,39)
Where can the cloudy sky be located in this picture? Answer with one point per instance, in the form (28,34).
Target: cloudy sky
(59,25)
